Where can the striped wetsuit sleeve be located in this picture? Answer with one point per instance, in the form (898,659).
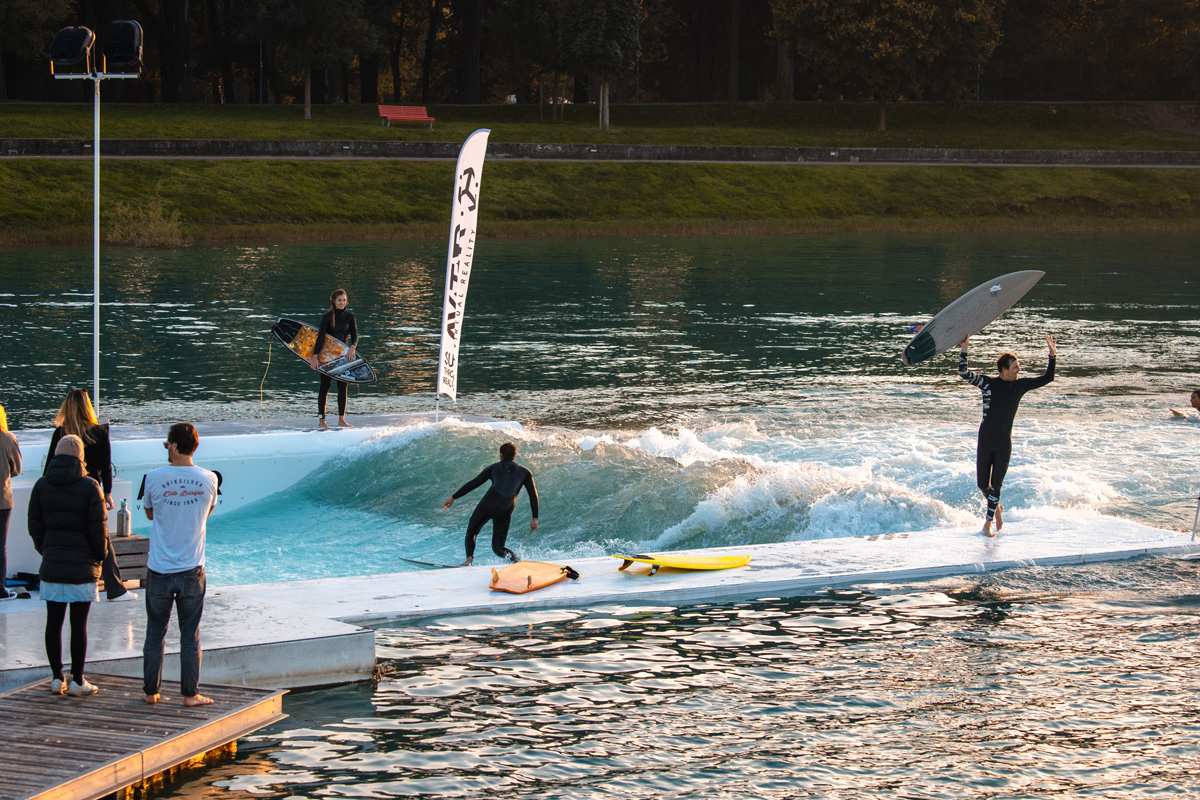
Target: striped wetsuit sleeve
(965,373)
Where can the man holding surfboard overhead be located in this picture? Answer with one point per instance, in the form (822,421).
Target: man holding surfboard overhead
(1001,396)
(507,477)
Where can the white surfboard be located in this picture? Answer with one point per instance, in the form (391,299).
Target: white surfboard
(969,314)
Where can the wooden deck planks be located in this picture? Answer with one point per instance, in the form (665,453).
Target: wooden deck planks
(82,748)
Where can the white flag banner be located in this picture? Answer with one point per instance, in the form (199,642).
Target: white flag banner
(464,214)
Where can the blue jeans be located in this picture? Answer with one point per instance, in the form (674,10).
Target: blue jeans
(184,590)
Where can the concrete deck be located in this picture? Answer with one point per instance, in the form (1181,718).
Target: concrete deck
(776,569)
(246,643)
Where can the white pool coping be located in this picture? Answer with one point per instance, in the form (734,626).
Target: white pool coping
(782,569)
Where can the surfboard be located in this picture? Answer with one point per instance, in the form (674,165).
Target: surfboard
(430,564)
(299,337)
(683,562)
(526,576)
(968,315)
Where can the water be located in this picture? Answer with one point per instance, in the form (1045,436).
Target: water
(687,393)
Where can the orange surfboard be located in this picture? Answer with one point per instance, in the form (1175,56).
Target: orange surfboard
(525,576)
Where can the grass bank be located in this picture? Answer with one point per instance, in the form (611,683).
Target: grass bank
(1038,126)
(50,200)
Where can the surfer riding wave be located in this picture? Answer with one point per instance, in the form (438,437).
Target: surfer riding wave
(507,477)
(1001,397)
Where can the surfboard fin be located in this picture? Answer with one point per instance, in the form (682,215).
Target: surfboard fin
(573,575)
(625,565)
(495,576)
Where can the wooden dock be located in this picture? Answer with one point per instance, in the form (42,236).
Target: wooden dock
(82,748)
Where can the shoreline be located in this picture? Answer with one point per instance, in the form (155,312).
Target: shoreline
(280,233)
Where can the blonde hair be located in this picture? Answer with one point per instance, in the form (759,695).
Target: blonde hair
(76,416)
(3,421)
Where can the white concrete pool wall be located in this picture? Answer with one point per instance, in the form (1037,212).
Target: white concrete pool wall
(256,458)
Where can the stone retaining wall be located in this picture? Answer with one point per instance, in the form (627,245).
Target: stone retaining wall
(244,148)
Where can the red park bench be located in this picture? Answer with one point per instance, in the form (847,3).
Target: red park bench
(404,114)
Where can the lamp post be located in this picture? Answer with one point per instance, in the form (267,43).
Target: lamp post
(71,59)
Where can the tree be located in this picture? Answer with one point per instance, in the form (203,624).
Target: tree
(167,25)
(890,50)
(602,39)
(26,28)
(314,33)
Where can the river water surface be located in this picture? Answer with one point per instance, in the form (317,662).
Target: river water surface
(692,393)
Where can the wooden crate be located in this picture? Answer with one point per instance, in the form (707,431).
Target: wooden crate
(131,552)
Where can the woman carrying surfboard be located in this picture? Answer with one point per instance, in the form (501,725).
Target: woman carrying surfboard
(1001,396)
(340,324)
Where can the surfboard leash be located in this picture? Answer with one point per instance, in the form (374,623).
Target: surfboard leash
(264,379)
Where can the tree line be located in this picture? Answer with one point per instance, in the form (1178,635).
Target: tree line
(555,51)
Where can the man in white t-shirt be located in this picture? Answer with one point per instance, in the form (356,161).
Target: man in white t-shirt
(178,499)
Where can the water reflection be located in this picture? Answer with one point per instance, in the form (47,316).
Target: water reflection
(951,689)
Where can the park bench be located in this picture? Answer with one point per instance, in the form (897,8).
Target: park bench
(404,114)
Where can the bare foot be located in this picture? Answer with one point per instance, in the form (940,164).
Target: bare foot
(150,699)
(322,424)
(198,700)
(987,529)
(999,518)
(343,424)
(467,563)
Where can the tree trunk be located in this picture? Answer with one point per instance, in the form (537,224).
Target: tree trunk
(368,79)
(882,116)
(785,74)
(335,83)
(470,13)
(227,79)
(435,13)
(735,18)
(604,106)
(308,92)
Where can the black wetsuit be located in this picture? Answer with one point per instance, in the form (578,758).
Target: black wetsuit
(340,325)
(507,478)
(1000,401)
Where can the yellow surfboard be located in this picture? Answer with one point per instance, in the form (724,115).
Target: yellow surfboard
(525,576)
(684,562)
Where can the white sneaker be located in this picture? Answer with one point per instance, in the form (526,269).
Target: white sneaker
(124,598)
(79,691)
(58,686)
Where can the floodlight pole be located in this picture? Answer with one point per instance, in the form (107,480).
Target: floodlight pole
(95,78)
(96,248)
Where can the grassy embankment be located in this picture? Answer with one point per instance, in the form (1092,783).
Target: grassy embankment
(50,200)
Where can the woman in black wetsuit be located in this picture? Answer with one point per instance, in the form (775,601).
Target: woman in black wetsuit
(1001,396)
(507,477)
(77,417)
(338,323)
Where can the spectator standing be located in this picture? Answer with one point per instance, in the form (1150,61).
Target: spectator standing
(178,499)
(69,526)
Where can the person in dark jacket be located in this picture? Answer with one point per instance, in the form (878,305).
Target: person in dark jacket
(507,477)
(69,526)
(76,416)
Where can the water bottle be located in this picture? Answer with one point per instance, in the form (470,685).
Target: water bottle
(124,522)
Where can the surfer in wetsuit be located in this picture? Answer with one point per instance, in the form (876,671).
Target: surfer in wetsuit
(1001,396)
(1188,415)
(338,323)
(507,477)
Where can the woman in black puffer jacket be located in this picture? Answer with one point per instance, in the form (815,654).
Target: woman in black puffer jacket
(69,526)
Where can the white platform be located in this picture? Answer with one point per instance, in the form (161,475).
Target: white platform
(776,569)
(245,642)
